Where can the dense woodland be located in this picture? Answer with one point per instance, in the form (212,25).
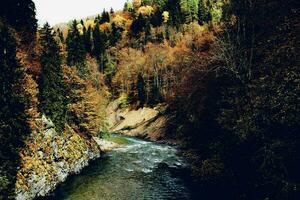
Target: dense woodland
(229,71)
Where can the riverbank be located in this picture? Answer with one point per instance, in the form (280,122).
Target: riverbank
(49,158)
(146,122)
(139,169)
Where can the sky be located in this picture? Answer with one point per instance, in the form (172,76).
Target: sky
(57,11)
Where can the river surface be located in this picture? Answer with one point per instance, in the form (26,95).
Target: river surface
(138,170)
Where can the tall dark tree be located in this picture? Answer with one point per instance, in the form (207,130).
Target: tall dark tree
(76,50)
(21,15)
(203,13)
(104,17)
(176,16)
(99,42)
(60,35)
(115,35)
(87,39)
(13,125)
(111,11)
(51,85)
(141,89)
(138,25)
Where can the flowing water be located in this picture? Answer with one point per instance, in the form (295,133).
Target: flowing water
(137,170)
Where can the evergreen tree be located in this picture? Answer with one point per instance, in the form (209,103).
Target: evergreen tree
(99,43)
(21,15)
(87,37)
(104,17)
(202,13)
(176,16)
(52,87)
(115,35)
(190,9)
(111,11)
(76,50)
(60,35)
(138,25)
(13,125)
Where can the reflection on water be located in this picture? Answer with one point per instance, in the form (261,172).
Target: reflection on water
(139,170)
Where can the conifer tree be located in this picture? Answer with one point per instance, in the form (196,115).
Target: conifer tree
(104,17)
(60,35)
(202,12)
(21,15)
(76,50)
(111,11)
(52,87)
(115,34)
(176,16)
(87,37)
(13,125)
(99,43)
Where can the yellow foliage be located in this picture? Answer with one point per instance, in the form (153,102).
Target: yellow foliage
(89,23)
(119,20)
(80,28)
(165,16)
(146,10)
(137,3)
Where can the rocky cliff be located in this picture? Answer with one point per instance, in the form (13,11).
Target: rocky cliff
(144,122)
(49,158)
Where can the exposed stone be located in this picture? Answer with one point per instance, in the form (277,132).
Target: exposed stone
(145,122)
(48,159)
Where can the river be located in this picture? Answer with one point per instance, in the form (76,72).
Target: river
(137,170)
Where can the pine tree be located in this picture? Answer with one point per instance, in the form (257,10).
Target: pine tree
(76,50)
(52,88)
(115,34)
(138,25)
(13,125)
(190,9)
(60,35)
(21,15)
(87,37)
(202,13)
(100,42)
(176,16)
(104,17)
(111,11)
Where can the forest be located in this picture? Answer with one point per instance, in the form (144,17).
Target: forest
(228,71)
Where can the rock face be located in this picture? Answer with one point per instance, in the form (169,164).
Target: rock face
(145,122)
(49,158)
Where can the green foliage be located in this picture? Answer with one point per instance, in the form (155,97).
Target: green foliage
(176,16)
(190,9)
(116,33)
(76,49)
(100,43)
(203,12)
(128,7)
(87,39)
(52,94)
(123,100)
(13,125)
